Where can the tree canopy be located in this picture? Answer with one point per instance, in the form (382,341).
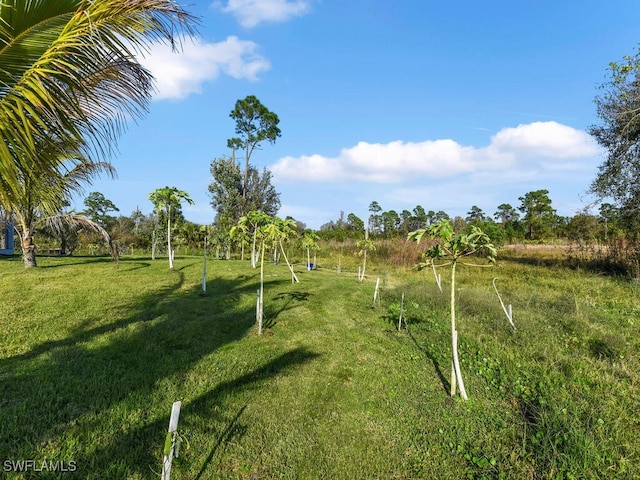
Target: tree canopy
(618,108)
(255,124)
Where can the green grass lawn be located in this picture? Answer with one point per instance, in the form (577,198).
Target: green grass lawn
(93,356)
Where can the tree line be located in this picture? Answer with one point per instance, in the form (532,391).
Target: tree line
(534,219)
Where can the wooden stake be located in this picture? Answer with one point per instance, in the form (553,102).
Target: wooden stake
(171,441)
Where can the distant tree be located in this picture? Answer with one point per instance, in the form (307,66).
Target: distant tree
(439,216)
(390,222)
(354,223)
(98,209)
(168,200)
(583,227)
(506,213)
(374,218)
(459,224)
(255,124)
(619,134)
(475,215)
(539,215)
(419,218)
(405,221)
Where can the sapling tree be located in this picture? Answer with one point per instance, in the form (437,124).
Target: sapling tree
(365,246)
(168,200)
(270,232)
(451,249)
(310,242)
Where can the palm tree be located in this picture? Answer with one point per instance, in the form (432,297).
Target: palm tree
(167,199)
(69,77)
(40,199)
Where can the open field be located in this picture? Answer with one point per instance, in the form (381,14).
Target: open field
(92,357)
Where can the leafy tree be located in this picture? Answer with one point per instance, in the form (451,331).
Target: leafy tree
(583,227)
(98,208)
(226,191)
(538,213)
(261,194)
(451,248)
(255,124)
(168,200)
(619,133)
(70,81)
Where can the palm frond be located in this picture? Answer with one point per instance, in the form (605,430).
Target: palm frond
(68,74)
(57,223)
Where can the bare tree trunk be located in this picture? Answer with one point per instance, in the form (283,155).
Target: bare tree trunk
(169,238)
(28,249)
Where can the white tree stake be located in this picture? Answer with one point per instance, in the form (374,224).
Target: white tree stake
(457,372)
(258,312)
(204,267)
(171,443)
(508,312)
(401,309)
(375,293)
(437,275)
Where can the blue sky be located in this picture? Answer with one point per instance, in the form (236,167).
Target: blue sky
(441,104)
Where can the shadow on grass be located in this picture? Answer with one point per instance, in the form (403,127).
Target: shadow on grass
(434,360)
(273,311)
(97,390)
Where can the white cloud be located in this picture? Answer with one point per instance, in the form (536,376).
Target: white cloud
(253,12)
(544,139)
(181,73)
(533,147)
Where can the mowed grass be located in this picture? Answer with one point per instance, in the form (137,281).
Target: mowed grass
(93,356)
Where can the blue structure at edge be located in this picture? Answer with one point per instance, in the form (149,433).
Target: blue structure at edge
(7,248)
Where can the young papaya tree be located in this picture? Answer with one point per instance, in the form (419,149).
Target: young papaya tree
(365,246)
(270,234)
(168,200)
(310,242)
(450,249)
